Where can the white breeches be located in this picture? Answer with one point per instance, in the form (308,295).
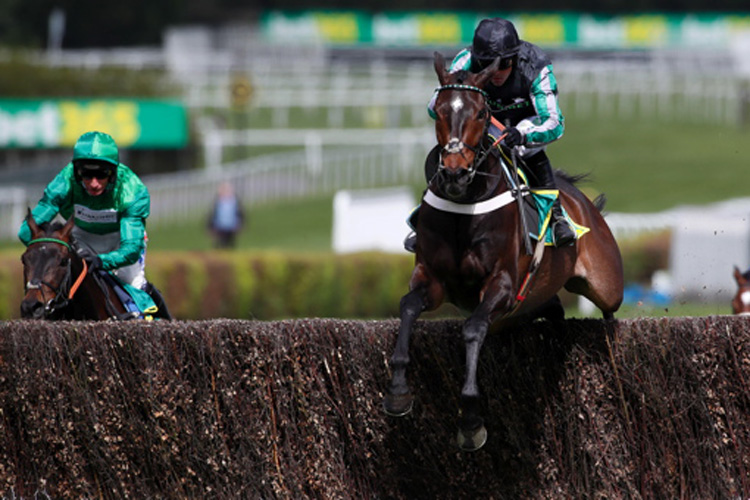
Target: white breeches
(134,274)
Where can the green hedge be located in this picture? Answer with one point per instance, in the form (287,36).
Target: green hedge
(279,285)
(264,286)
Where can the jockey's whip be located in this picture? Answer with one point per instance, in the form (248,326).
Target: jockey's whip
(519,200)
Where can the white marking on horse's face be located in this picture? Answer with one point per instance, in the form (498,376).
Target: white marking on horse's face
(457,104)
(745,297)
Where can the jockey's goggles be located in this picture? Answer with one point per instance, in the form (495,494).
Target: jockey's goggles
(91,171)
(505,63)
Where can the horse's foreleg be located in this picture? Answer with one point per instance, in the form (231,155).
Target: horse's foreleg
(471,432)
(399,400)
(497,296)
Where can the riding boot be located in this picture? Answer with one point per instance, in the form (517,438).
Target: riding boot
(410,243)
(156,296)
(541,170)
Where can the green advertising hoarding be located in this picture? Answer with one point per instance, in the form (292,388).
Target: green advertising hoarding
(559,30)
(54,123)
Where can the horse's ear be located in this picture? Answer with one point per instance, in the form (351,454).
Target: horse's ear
(67,228)
(440,68)
(32,223)
(738,277)
(484,75)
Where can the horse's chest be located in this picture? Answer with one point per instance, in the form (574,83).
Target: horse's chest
(467,268)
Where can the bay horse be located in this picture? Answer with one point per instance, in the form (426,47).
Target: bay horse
(741,300)
(470,250)
(57,282)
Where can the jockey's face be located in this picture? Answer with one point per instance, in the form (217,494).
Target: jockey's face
(500,76)
(95,186)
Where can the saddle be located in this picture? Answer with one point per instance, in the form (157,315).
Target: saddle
(538,211)
(138,303)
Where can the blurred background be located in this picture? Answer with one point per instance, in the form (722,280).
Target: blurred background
(315,114)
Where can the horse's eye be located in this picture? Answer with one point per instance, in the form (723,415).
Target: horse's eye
(64,262)
(482,114)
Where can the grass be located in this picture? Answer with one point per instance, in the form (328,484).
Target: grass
(299,226)
(675,309)
(643,166)
(649,166)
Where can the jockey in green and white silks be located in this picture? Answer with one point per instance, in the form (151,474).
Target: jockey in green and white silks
(527,100)
(110,205)
(523,96)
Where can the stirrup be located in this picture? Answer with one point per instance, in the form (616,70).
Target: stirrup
(410,242)
(567,236)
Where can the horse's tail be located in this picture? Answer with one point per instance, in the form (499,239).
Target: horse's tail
(571,178)
(574,179)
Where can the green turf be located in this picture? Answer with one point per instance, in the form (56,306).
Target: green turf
(642,166)
(648,166)
(300,226)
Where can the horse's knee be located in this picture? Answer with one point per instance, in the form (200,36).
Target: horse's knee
(412,304)
(475,329)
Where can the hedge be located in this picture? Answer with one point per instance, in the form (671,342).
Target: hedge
(263,286)
(224,409)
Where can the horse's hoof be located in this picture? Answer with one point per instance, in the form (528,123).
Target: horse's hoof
(472,440)
(398,405)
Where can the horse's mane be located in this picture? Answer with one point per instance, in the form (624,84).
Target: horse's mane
(461,75)
(51,227)
(746,274)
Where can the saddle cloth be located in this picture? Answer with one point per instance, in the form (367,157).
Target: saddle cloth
(137,302)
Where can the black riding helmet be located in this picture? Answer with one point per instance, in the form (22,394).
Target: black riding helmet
(493,38)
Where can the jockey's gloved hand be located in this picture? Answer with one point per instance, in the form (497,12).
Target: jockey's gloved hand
(92,259)
(514,137)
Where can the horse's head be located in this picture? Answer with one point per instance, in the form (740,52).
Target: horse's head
(741,301)
(462,117)
(46,268)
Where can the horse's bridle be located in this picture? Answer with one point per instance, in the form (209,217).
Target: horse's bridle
(60,300)
(455,146)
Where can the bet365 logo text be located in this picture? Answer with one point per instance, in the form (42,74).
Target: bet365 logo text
(60,123)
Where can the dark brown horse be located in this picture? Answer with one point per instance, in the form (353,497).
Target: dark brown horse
(470,250)
(56,280)
(741,300)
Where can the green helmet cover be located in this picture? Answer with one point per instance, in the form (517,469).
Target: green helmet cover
(96,146)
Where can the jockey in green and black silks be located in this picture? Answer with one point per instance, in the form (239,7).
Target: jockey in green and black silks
(110,205)
(522,94)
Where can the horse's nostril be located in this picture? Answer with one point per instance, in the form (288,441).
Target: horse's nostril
(32,309)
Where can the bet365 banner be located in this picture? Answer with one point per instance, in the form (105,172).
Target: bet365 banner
(54,123)
(566,30)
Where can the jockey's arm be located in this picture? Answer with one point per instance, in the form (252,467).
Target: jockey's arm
(132,234)
(49,206)
(549,124)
